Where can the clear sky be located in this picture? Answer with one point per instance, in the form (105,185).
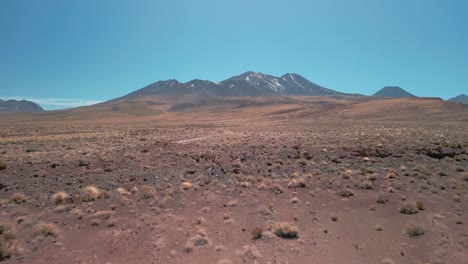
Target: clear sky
(68,53)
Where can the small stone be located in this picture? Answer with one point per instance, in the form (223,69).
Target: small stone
(294,200)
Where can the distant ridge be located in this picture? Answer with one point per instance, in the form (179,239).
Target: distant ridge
(393,91)
(462,98)
(15,106)
(247,84)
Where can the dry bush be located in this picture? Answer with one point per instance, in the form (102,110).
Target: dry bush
(391,175)
(408,208)
(46,229)
(147,191)
(111,222)
(285,230)
(59,197)
(122,191)
(6,240)
(334,217)
(3,166)
(89,194)
(302,162)
(297,183)
(249,252)
(276,188)
(243,184)
(18,198)
(104,214)
(345,193)
(420,205)
(381,199)
(414,230)
(372,177)
(244,178)
(262,186)
(263,183)
(5,227)
(423,169)
(257,233)
(465,176)
(367,185)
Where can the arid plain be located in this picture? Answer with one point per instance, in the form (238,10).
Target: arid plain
(338,179)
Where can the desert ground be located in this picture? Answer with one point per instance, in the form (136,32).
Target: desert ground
(297,180)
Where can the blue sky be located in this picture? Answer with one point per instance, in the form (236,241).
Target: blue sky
(69,53)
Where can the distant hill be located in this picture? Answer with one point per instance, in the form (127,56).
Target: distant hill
(462,98)
(393,91)
(14,106)
(247,84)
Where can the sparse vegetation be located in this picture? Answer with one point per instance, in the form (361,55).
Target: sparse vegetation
(89,194)
(257,233)
(408,208)
(285,230)
(381,199)
(414,230)
(59,197)
(345,193)
(7,234)
(18,198)
(122,191)
(188,188)
(297,183)
(46,229)
(420,206)
(276,188)
(147,192)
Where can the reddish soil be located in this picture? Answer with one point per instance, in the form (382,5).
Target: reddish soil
(192,191)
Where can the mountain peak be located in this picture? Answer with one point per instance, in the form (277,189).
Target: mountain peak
(12,106)
(393,91)
(249,83)
(462,98)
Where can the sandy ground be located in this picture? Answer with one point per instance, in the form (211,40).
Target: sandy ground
(214,192)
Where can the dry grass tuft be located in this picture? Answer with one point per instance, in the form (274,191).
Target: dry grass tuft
(414,231)
(46,229)
(408,208)
(297,183)
(285,230)
(381,199)
(147,191)
(59,197)
(391,175)
(345,193)
(420,205)
(257,233)
(6,240)
(122,191)
(89,194)
(18,198)
(276,188)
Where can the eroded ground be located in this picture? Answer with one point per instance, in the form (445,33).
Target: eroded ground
(355,192)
